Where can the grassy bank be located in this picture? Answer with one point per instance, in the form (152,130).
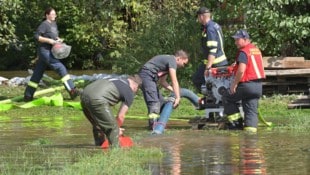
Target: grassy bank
(128,161)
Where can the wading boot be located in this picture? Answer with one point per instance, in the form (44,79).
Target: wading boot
(27,98)
(235,122)
(74,93)
(99,138)
(153,118)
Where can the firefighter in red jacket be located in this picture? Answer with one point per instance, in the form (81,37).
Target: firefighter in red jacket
(246,86)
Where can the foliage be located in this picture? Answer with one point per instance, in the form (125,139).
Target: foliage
(122,34)
(280,27)
(10,12)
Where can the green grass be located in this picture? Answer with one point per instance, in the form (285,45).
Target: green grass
(92,161)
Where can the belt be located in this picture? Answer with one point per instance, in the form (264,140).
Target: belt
(216,60)
(252,81)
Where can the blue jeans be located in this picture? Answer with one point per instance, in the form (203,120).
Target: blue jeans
(46,59)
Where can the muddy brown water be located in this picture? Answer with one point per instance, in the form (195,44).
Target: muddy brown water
(186,151)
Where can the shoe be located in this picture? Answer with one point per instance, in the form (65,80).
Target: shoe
(74,93)
(28,98)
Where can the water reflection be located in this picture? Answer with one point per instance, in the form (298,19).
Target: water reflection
(186,151)
(252,159)
(203,152)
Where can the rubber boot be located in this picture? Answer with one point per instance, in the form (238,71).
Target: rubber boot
(153,118)
(235,122)
(69,85)
(98,137)
(30,90)
(250,129)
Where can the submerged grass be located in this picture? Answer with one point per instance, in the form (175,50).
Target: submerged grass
(90,161)
(118,161)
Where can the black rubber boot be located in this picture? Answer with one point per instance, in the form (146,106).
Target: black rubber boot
(235,125)
(99,139)
(74,93)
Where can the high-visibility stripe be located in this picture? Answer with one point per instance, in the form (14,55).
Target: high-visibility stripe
(33,84)
(213,50)
(250,129)
(65,78)
(257,72)
(212,43)
(219,33)
(153,116)
(216,60)
(233,117)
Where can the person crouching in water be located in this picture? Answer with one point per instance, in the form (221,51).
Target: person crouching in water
(96,101)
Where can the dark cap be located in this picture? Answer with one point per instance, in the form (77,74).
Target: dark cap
(241,34)
(202,10)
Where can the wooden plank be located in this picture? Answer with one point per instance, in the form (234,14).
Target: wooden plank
(301,102)
(286,72)
(296,64)
(277,62)
(301,105)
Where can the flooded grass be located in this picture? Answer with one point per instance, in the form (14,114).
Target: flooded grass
(58,140)
(72,161)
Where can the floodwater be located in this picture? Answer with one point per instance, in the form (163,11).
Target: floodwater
(186,151)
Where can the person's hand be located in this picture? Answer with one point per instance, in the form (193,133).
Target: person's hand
(52,42)
(206,73)
(176,103)
(121,131)
(233,89)
(59,40)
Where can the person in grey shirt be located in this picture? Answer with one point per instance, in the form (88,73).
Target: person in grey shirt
(156,70)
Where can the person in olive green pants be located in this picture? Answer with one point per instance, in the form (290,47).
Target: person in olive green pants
(97,99)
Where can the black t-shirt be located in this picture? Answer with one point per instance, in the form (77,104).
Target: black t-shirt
(125,92)
(110,91)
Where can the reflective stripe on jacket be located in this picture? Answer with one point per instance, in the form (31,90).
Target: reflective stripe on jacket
(254,69)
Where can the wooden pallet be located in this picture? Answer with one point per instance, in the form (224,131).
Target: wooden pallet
(300,102)
(286,75)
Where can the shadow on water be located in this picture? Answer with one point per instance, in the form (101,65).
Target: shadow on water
(187,151)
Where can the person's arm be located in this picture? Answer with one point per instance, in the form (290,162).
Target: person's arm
(175,86)
(163,82)
(121,117)
(211,59)
(238,76)
(121,114)
(46,40)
